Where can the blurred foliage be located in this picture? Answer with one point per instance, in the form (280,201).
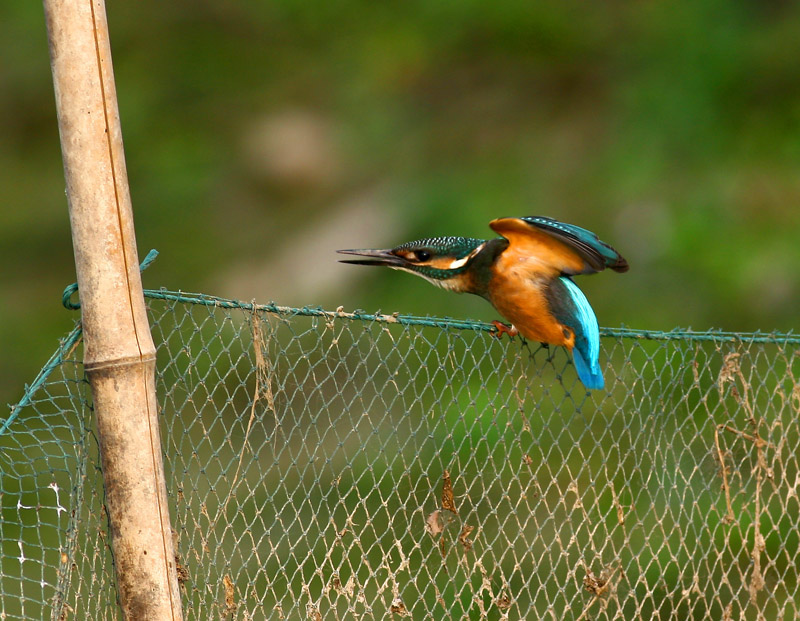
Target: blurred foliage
(259,135)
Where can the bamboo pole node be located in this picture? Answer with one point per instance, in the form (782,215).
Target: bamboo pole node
(119,353)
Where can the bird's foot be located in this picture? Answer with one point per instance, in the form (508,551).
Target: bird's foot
(502,329)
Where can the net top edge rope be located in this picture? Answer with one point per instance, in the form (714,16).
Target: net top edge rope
(676,334)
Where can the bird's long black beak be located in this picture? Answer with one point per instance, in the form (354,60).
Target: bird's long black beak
(373,257)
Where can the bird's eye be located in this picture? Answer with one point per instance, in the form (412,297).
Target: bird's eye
(422,255)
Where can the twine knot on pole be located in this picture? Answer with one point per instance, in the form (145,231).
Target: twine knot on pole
(70,290)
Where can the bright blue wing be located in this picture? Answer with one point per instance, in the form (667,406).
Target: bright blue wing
(587,337)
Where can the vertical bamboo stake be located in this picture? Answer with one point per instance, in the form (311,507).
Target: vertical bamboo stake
(119,355)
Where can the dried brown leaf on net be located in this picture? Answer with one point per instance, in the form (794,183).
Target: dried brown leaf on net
(464,539)
(730,368)
(503,601)
(434,523)
(230,595)
(182,571)
(314,614)
(448,501)
(599,585)
(731,372)
(347,589)
(596,585)
(399,608)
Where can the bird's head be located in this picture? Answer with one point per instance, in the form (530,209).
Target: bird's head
(444,261)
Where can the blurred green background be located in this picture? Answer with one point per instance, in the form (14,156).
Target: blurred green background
(262,136)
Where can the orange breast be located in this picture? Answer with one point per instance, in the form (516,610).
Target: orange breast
(517,292)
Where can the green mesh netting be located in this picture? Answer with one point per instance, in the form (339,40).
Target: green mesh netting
(325,465)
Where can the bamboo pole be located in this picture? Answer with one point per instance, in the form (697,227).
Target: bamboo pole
(119,354)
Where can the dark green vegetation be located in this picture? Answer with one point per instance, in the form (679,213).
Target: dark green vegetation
(261,136)
(252,128)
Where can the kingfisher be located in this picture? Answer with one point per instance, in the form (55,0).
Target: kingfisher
(526,274)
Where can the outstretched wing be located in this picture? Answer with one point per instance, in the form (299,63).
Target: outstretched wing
(565,248)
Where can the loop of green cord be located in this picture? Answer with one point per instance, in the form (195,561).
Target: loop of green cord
(70,290)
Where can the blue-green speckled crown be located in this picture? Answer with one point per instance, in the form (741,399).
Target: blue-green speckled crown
(451,247)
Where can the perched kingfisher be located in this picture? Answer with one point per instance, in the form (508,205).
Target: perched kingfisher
(526,274)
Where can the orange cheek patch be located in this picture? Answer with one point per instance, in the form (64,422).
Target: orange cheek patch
(440,263)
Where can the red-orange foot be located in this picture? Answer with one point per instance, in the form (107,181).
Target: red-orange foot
(502,329)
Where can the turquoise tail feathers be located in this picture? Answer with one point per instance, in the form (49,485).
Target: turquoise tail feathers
(591,376)
(586,352)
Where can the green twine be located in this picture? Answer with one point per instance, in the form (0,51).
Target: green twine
(55,360)
(58,357)
(445,323)
(677,334)
(70,290)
